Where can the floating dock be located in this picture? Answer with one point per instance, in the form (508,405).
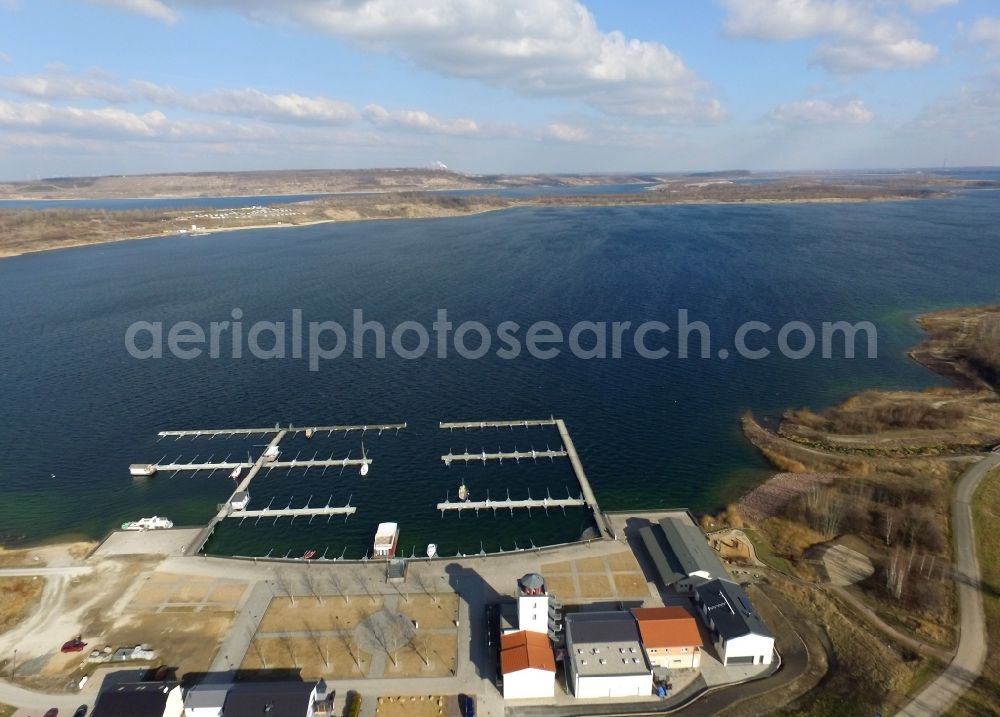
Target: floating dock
(479,425)
(501,456)
(587,497)
(214,433)
(293,512)
(603,525)
(510,504)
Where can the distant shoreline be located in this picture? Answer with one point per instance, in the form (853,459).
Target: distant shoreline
(486,204)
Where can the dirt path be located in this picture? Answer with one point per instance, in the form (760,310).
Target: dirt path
(967,665)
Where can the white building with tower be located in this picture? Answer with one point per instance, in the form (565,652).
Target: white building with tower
(532,604)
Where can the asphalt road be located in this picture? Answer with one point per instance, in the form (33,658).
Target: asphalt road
(967,664)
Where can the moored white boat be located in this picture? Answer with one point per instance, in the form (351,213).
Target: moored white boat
(386,538)
(154,523)
(432,550)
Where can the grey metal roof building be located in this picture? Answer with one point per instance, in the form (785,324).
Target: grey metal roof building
(273,699)
(605,657)
(605,643)
(729,607)
(679,550)
(136,699)
(207,696)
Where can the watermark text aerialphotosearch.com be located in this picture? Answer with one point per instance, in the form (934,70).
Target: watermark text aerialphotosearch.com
(319,341)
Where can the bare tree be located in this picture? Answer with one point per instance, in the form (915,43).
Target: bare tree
(888,525)
(311,584)
(416,642)
(337,588)
(425,583)
(348,644)
(898,572)
(289,646)
(283,583)
(260,653)
(364,586)
(316,638)
(390,636)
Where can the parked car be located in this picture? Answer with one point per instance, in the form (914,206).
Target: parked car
(81,711)
(74,645)
(52,713)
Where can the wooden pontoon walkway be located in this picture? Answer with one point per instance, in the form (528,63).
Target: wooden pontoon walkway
(212,433)
(474,425)
(510,504)
(293,512)
(512,456)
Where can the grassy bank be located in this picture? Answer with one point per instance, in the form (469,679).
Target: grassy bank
(19,597)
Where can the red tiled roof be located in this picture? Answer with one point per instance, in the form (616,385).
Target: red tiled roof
(524,649)
(667,627)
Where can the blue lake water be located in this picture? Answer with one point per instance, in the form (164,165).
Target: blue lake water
(77,409)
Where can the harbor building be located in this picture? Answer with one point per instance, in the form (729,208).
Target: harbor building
(527,665)
(278,699)
(670,637)
(140,699)
(604,657)
(206,700)
(681,554)
(739,633)
(537,611)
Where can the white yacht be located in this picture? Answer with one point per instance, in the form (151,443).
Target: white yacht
(386,538)
(154,523)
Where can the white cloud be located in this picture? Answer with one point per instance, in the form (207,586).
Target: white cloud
(929,5)
(420,121)
(534,47)
(40,115)
(986,31)
(154,9)
(117,122)
(972,109)
(854,57)
(859,39)
(249,102)
(285,107)
(66,87)
(567,132)
(813,112)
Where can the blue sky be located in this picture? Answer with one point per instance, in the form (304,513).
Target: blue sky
(123,86)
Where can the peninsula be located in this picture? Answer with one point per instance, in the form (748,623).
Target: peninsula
(399,194)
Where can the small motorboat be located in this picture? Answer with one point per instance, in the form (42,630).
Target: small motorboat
(432,550)
(235,475)
(309,555)
(271,454)
(463,492)
(309,433)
